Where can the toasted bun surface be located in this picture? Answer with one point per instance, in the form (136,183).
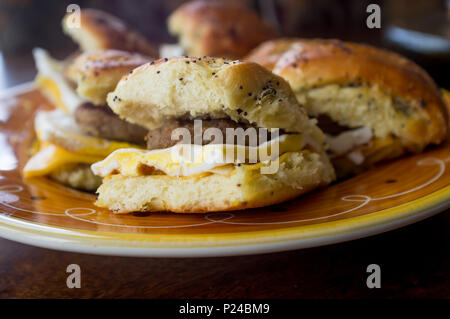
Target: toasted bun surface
(358,85)
(243,188)
(213,88)
(98,72)
(218,28)
(101,30)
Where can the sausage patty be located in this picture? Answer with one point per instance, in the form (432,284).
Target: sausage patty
(161,138)
(101,121)
(330,127)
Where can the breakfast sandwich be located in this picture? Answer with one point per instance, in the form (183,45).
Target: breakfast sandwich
(222,135)
(216,28)
(82,129)
(372,104)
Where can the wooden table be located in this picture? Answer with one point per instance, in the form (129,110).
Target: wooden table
(414,261)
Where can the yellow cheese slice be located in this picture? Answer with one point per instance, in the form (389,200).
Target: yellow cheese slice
(186,159)
(53,83)
(50,157)
(51,91)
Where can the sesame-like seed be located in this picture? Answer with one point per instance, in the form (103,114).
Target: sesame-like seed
(250,93)
(245,113)
(166,59)
(158,72)
(181,79)
(241,87)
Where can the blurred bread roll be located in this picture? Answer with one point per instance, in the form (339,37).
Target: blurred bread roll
(373,104)
(97,73)
(101,30)
(218,28)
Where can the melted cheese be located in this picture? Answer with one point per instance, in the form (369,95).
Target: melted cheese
(51,90)
(50,157)
(61,142)
(51,80)
(188,159)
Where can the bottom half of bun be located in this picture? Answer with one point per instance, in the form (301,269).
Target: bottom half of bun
(242,188)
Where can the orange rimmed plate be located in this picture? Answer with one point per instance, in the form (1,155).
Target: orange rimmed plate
(43,213)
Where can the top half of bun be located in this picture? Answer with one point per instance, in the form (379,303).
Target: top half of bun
(218,28)
(392,93)
(309,63)
(209,88)
(97,73)
(101,30)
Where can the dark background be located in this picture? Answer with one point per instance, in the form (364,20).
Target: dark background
(28,23)
(25,24)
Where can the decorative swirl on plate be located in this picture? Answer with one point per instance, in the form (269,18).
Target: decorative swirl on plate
(6,190)
(11,188)
(7,196)
(69,211)
(5,193)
